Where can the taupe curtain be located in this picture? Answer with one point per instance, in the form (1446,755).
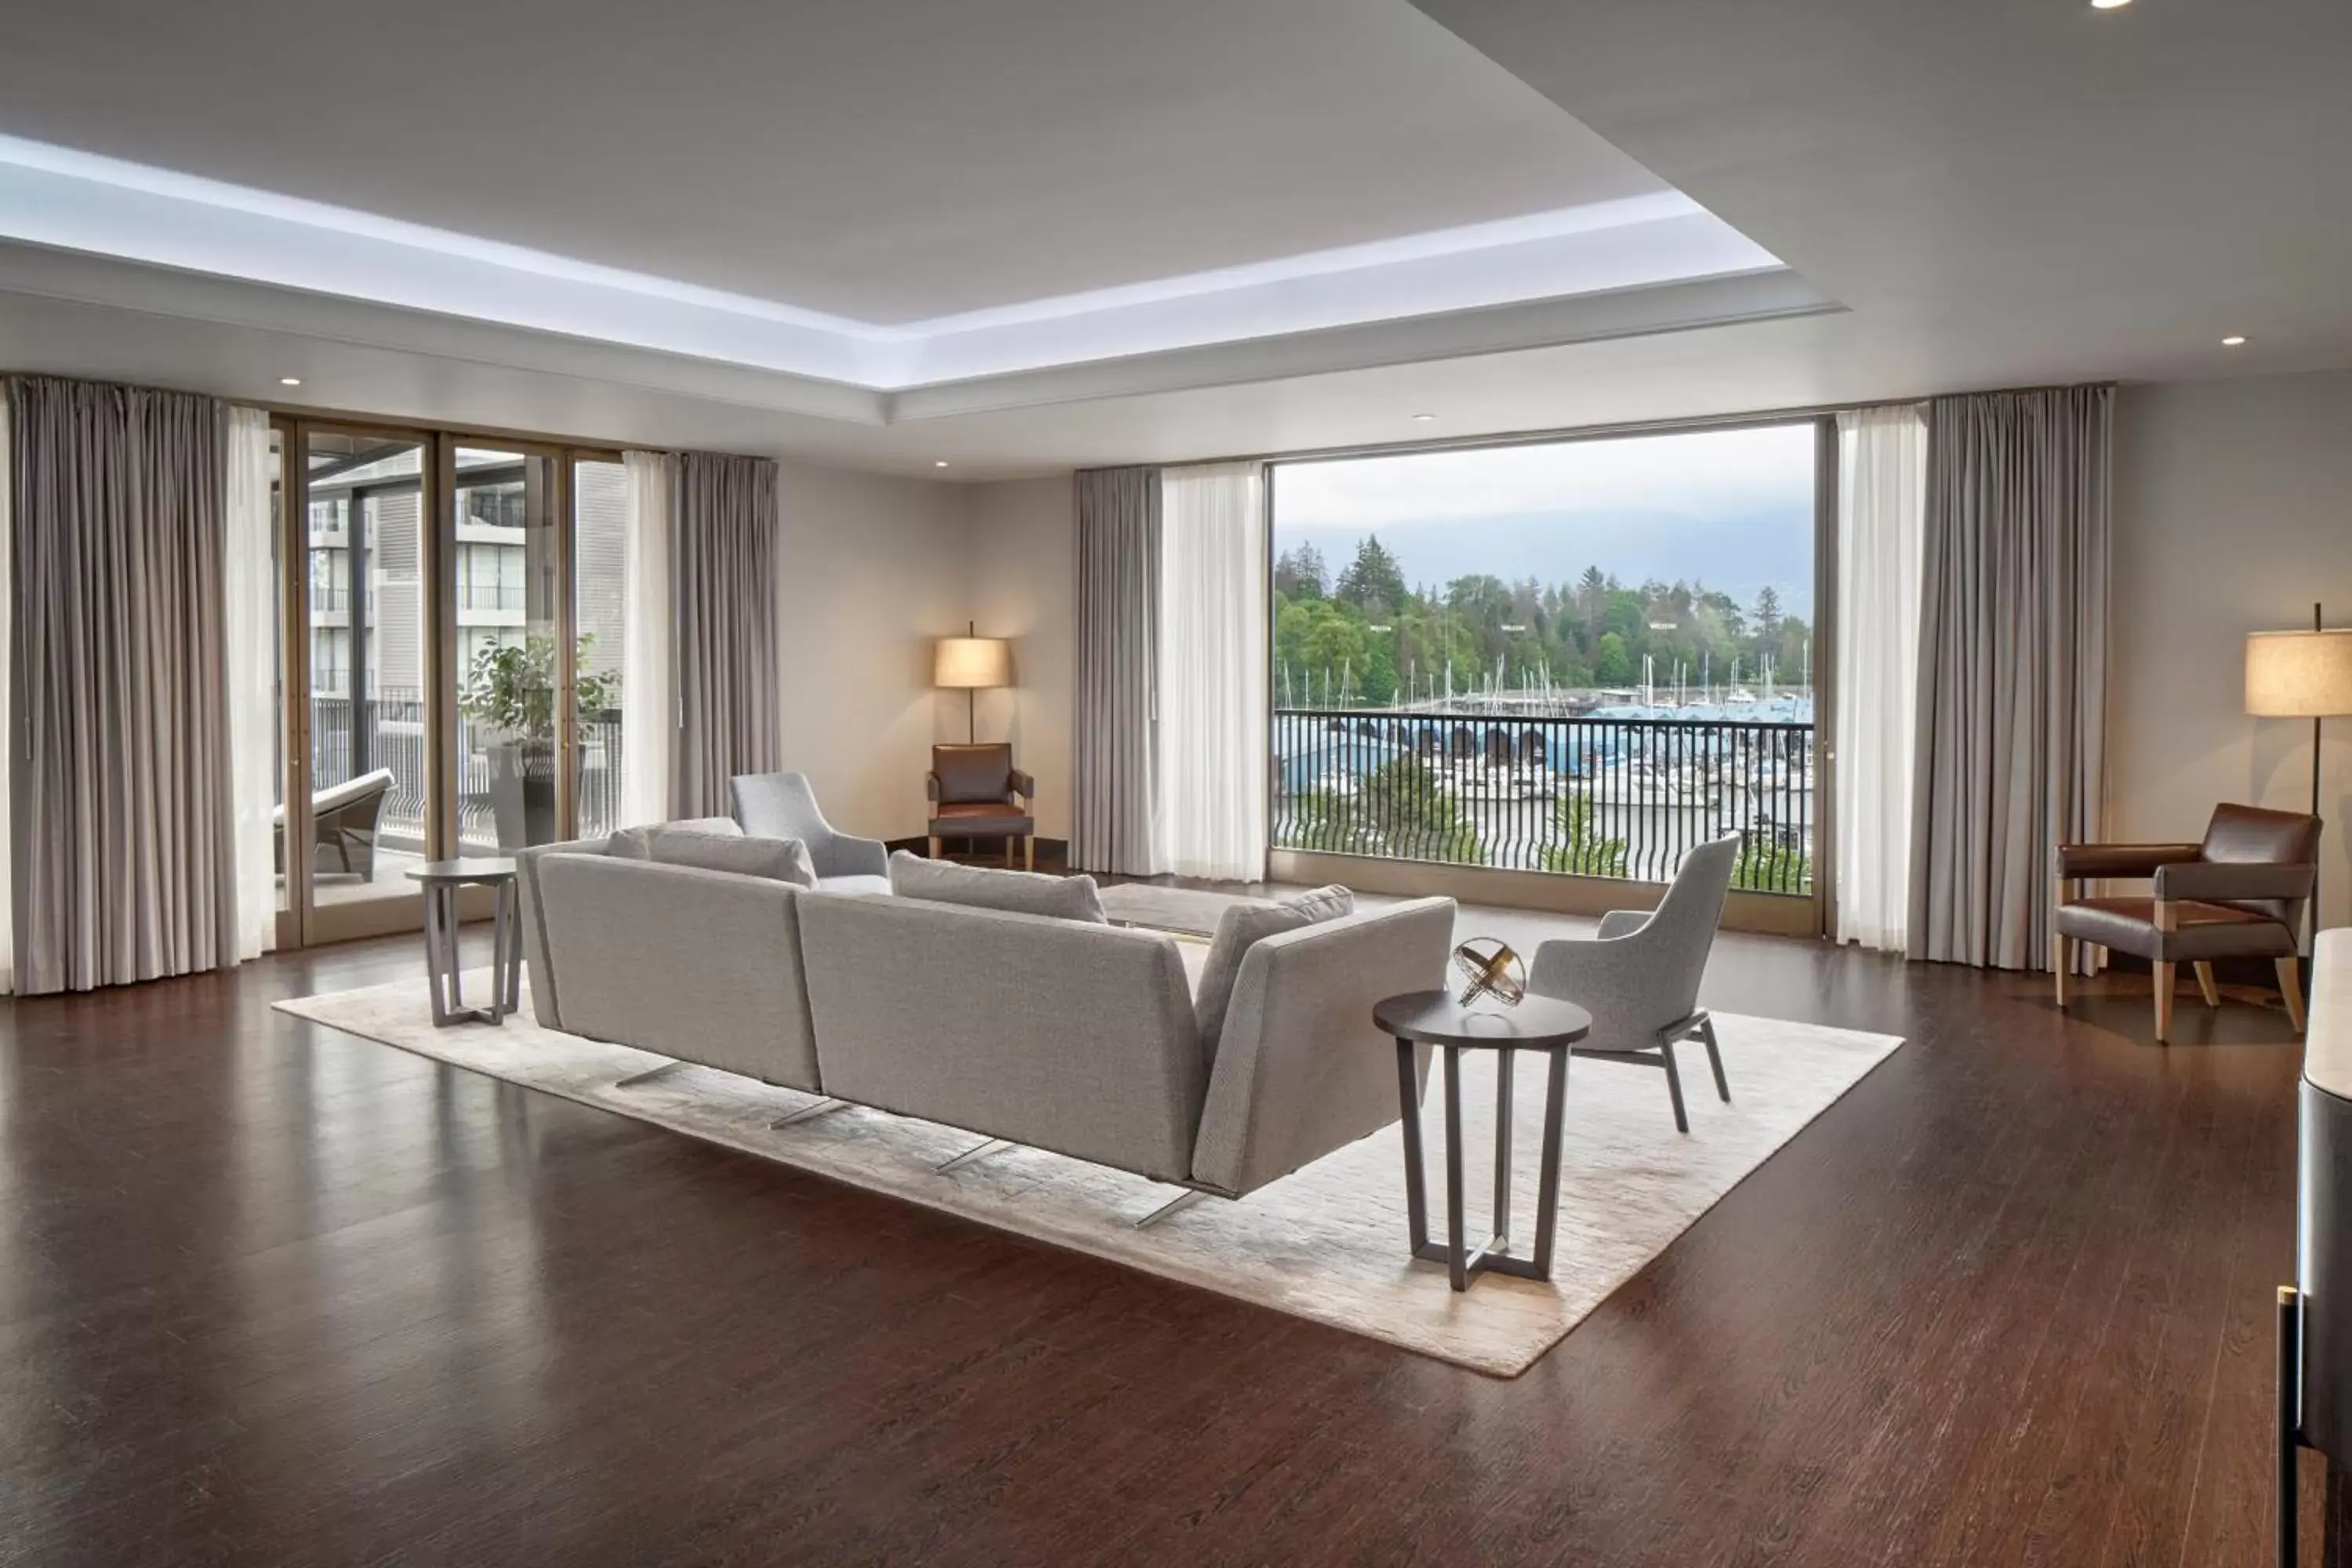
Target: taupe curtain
(2012,666)
(725,599)
(1113,738)
(125,831)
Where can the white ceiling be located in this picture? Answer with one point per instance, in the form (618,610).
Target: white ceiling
(1999,192)
(886,160)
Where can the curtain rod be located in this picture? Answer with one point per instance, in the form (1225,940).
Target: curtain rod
(1691,426)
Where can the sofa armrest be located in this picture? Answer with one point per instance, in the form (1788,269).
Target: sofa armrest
(2076,861)
(2232,881)
(1619,924)
(932,786)
(1023,785)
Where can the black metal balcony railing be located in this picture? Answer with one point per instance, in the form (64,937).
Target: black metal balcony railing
(349,738)
(1586,797)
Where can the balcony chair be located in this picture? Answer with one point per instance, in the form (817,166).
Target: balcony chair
(976,792)
(343,819)
(1639,976)
(2239,894)
(782,806)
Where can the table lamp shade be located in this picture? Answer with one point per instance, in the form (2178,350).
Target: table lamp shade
(972,663)
(2299,675)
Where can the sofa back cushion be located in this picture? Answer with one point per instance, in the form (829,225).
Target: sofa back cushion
(1240,928)
(777,860)
(700,965)
(636,843)
(1062,1036)
(986,887)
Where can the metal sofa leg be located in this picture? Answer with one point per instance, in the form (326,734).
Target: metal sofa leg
(1182,1200)
(985,1146)
(805,1113)
(648,1075)
(1675,1085)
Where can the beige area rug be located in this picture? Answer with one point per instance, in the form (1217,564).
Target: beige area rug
(1326,1242)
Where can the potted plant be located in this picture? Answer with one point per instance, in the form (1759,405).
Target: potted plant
(511,693)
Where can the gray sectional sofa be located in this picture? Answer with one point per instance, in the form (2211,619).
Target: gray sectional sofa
(1060,1035)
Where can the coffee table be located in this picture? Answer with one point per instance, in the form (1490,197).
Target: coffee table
(1537,1024)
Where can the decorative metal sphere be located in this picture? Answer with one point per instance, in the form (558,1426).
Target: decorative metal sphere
(1490,969)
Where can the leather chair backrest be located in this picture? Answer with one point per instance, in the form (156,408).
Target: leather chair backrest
(2251,836)
(973,774)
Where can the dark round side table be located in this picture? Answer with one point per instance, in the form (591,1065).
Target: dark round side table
(442,878)
(1537,1024)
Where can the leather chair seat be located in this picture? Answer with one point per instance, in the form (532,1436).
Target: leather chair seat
(955,818)
(2204,931)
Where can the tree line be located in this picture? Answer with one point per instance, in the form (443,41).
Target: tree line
(1367,634)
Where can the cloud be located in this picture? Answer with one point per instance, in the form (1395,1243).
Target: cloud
(1702,474)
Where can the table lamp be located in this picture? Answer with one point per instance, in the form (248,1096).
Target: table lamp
(969,664)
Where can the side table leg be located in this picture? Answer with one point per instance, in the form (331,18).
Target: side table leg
(510,900)
(445,896)
(499,957)
(436,964)
(1547,1194)
(1456,1257)
(1502,1218)
(1416,1190)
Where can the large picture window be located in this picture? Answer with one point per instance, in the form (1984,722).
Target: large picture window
(1580,657)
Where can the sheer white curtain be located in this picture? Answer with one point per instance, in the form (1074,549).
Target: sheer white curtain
(648,675)
(1213,650)
(1882,508)
(249,605)
(7,708)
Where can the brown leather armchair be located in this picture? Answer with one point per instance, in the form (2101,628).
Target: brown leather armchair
(976,792)
(2239,894)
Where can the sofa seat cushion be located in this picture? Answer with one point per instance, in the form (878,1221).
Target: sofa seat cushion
(1241,927)
(860,883)
(777,860)
(981,887)
(636,843)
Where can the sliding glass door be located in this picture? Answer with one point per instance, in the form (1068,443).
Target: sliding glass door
(432,664)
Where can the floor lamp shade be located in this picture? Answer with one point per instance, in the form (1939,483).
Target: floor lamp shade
(2299,675)
(971,665)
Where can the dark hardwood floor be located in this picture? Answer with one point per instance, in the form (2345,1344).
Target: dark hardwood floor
(270,1294)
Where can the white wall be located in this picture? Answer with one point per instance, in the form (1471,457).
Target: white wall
(1022,548)
(870,570)
(2233,512)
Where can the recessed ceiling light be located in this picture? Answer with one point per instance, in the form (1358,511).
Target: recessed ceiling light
(939,462)
(289,381)
(2109,5)
(1423,418)
(2233,341)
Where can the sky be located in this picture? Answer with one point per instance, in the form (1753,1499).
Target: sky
(1731,508)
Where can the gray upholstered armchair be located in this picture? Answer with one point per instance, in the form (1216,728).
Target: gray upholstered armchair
(782,806)
(1639,977)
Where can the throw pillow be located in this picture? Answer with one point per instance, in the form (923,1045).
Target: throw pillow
(777,860)
(636,843)
(1242,927)
(983,886)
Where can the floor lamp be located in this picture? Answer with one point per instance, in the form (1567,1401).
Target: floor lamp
(2301,675)
(971,664)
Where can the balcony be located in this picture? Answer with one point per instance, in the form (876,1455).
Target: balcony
(1587,796)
